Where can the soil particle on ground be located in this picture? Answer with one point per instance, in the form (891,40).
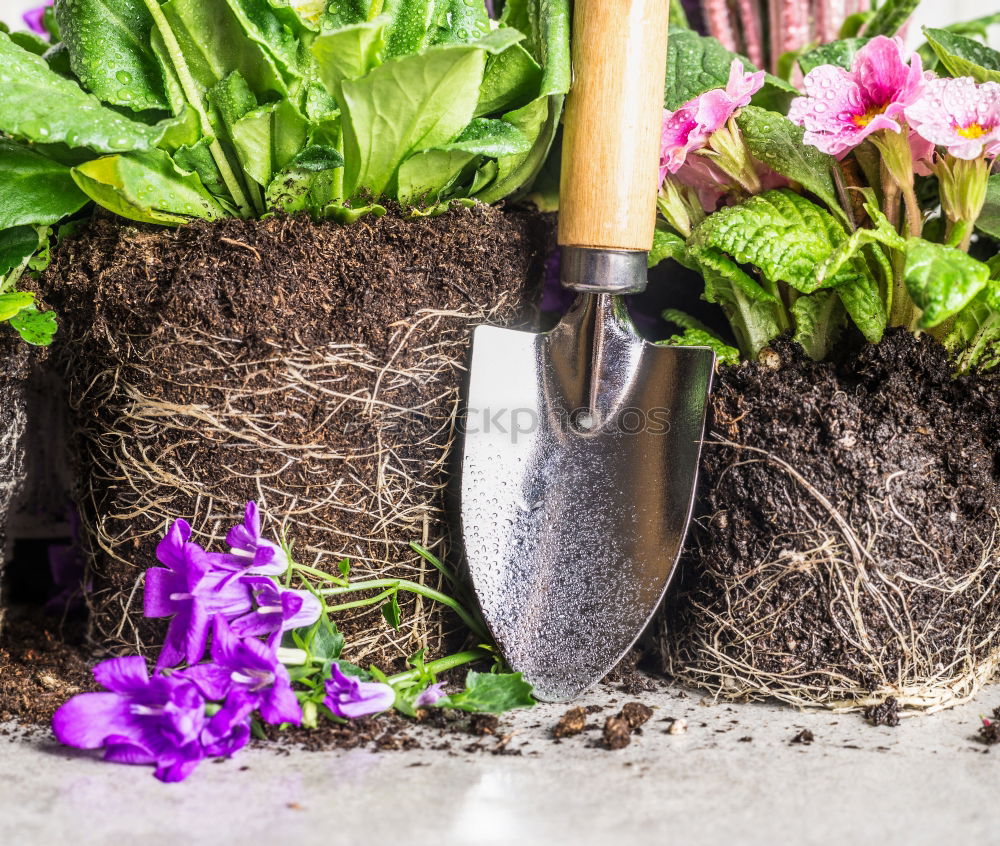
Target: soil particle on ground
(43,662)
(803,738)
(571,723)
(482,725)
(617,733)
(886,714)
(989,732)
(635,714)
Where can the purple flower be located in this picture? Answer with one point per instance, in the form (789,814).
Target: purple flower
(253,553)
(960,115)
(277,609)
(689,128)
(191,588)
(249,677)
(33,18)
(140,720)
(430,695)
(350,698)
(842,108)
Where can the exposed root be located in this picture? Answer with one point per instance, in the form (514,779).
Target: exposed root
(349,463)
(875,627)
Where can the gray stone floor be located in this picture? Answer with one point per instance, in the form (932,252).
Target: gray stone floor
(926,781)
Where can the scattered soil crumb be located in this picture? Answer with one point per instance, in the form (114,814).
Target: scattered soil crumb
(746,739)
(635,714)
(570,723)
(678,726)
(989,732)
(804,738)
(482,725)
(886,714)
(617,733)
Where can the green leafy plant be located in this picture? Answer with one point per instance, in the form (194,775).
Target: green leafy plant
(824,217)
(164,112)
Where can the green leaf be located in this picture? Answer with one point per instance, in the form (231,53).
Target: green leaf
(147,187)
(863,301)
(459,21)
(268,139)
(426,175)
(667,245)
(989,219)
(883,233)
(262,26)
(40,106)
(409,104)
(696,64)
(510,81)
(34,190)
(214,43)
(495,138)
(781,233)
(409,28)
(110,53)
(941,280)
(12,303)
(325,642)
(963,56)
(35,327)
(491,693)
(890,17)
(546,26)
(840,53)
(697,334)
(777,142)
(349,53)
(317,158)
(391,611)
(819,320)
(31,42)
(974,339)
(17,245)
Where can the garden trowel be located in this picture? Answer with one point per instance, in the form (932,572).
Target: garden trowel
(582,444)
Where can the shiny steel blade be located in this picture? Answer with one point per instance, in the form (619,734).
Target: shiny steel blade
(579,469)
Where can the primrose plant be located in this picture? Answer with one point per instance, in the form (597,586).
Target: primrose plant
(164,112)
(866,201)
(273,657)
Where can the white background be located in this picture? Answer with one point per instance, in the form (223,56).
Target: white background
(931,12)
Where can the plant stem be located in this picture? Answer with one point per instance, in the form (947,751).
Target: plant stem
(194,98)
(441,665)
(959,234)
(326,577)
(412,587)
(914,216)
(360,603)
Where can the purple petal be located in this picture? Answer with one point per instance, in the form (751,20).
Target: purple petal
(430,695)
(160,585)
(181,767)
(123,750)
(280,705)
(212,680)
(307,612)
(88,718)
(170,550)
(123,675)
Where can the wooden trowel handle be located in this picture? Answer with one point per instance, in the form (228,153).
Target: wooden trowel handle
(611,143)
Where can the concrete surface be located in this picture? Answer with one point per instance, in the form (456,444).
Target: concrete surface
(925,782)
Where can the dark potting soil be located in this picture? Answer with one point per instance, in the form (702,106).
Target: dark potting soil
(240,360)
(885,451)
(886,714)
(43,662)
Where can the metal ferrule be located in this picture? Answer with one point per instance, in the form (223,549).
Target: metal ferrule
(594,271)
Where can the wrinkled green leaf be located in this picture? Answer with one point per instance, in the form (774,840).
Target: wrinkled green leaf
(963,56)
(840,53)
(667,245)
(147,187)
(890,17)
(409,104)
(883,233)
(777,142)
(31,42)
(459,21)
(781,233)
(110,53)
(262,26)
(941,280)
(697,63)
(819,320)
(34,190)
(974,339)
(863,301)
(491,693)
(35,327)
(42,107)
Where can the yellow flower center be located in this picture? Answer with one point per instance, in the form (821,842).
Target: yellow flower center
(973,130)
(872,113)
